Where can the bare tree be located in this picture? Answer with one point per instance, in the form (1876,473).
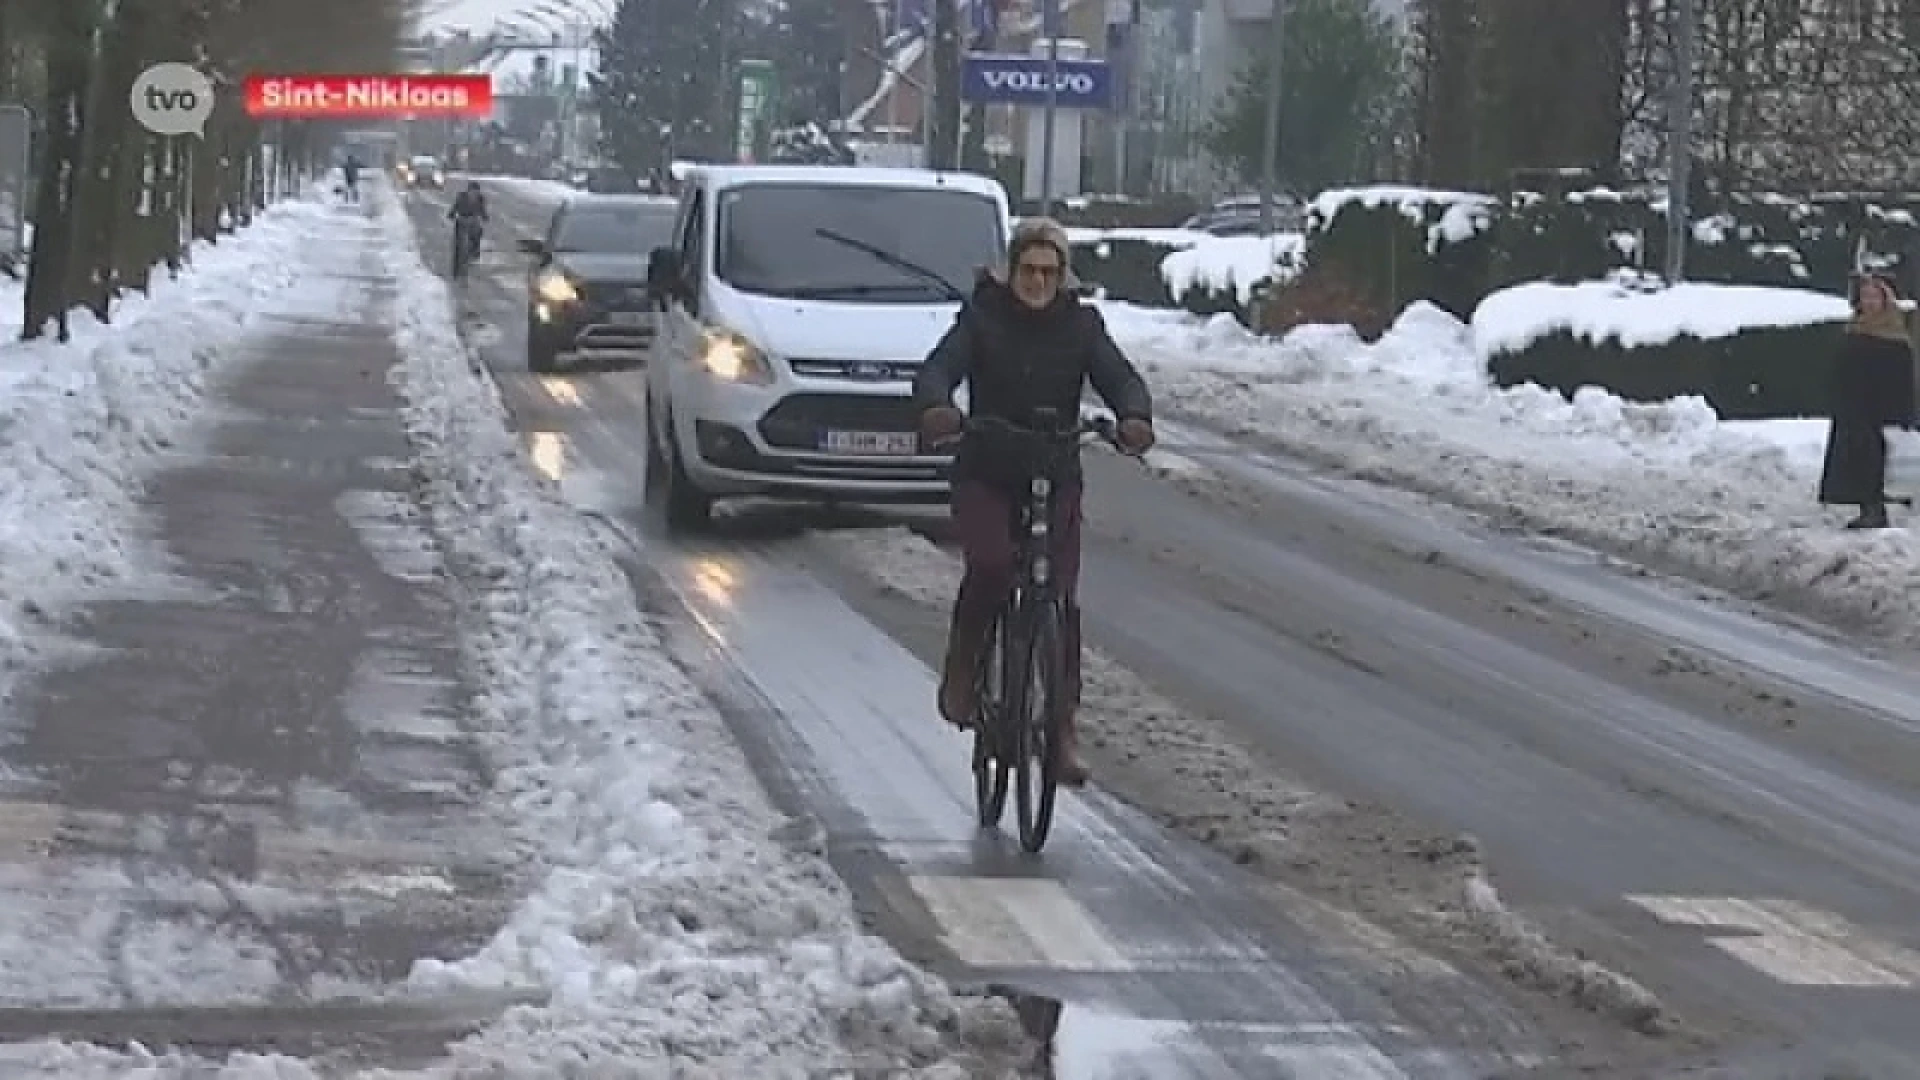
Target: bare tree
(114,201)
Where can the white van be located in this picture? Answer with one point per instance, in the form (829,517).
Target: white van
(800,301)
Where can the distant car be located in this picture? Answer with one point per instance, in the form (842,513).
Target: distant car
(424,171)
(587,296)
(1240,216)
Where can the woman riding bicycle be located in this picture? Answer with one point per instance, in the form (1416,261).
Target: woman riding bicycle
(1023,344)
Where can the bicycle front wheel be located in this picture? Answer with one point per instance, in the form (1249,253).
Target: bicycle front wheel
(1033,703)
(992,767)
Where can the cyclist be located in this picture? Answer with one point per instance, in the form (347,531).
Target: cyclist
(469,211)
(1022,342)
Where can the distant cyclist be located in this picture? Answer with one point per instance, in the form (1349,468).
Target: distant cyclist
(468,214)
(1021,343)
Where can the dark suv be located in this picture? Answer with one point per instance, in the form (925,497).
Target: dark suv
(587,296)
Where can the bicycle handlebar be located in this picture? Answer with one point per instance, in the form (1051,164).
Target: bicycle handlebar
(1098,425)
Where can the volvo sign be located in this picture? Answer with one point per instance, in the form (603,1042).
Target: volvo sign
(1010,79)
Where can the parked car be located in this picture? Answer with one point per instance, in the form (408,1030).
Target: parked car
(587,298)
(424,171)
(1240,216)
(799,303)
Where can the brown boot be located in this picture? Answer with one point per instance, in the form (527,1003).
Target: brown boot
(960,682)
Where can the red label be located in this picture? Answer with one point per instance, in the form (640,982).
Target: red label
(312,96)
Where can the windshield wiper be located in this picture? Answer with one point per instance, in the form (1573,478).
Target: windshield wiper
(822,292)
(946,287)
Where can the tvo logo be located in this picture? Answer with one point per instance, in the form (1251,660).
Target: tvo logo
(1020,80)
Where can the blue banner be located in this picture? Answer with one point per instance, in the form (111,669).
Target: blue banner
(1012,79)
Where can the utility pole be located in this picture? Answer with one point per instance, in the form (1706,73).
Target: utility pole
(1050,20)
(1680,142)
(1270,148)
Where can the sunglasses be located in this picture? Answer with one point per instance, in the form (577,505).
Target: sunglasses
(1043,271)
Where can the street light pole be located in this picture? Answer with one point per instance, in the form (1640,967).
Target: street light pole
(1680,142)
(1270,144)
(1050,24)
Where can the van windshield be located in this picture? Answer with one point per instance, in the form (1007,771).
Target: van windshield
(771,240)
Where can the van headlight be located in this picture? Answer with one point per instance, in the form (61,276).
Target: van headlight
(554,288)
(732,358)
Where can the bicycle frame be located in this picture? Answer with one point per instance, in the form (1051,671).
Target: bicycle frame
(1028,631)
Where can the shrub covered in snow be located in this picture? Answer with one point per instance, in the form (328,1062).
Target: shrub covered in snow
(1126,262)
(1751,352)
(1398,245)
(1747,239)
(1229,273)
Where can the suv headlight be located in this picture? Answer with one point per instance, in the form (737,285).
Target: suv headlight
(732,358)
(554,288)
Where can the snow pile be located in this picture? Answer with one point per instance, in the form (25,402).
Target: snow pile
(671,926)
(1604,311)
(1463,214)
(80,422)
(1668,483)
(1236,264)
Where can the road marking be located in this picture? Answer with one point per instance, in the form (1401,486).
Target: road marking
(1793,944)
(1016,922)
(27,829)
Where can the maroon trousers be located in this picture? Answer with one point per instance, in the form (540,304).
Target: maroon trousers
(983,520)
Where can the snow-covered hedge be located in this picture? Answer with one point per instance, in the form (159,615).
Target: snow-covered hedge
(1398,245)
(1749,351)
(1205,274)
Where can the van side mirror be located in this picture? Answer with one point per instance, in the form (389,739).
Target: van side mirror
(665,278)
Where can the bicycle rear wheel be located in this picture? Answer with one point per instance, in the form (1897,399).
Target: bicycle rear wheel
(1033,702)
(992,769)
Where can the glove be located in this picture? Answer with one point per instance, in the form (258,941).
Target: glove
(942,423)
(1135,435)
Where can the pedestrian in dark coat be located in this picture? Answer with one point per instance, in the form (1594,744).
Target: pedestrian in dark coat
(1021,343)
(1872,389)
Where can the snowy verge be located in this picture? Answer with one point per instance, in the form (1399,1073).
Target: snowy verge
(669,925)
(1605,311)
(1194,775)
(82,422)
(1236,264)
(1670,484)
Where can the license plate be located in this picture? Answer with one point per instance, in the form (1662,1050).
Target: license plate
(628,318)
(894,443)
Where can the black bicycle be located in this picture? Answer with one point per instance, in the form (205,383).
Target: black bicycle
(1023,672)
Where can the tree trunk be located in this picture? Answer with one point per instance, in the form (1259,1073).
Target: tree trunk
(112,163)
(69,60)
(1446,99)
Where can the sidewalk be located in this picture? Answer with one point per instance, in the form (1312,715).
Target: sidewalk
(253,787)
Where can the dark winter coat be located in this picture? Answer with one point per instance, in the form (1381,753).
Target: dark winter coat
(1872,388)
(1015,361)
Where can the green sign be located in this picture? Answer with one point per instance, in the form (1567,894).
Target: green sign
(755,119)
